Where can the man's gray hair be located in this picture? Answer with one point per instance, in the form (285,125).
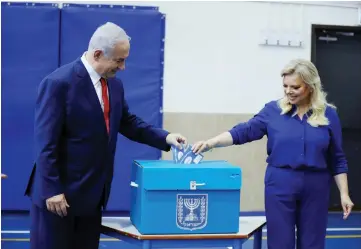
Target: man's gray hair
(106,36)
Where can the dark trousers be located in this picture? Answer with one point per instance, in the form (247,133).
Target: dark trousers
(296,198)
(50,231)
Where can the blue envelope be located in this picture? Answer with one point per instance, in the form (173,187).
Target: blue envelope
(177,154)
(186,155)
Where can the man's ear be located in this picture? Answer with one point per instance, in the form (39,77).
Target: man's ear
(97,54)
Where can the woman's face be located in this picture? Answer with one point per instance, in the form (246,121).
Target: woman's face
(296,90)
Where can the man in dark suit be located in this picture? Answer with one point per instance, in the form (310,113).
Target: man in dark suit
(79,111)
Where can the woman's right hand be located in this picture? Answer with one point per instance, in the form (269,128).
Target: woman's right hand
(222,140)
(202,146)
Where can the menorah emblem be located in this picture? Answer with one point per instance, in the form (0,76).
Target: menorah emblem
(192,211)
(191,204)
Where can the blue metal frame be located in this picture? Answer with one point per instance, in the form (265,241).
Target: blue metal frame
(115,6)
(161,77)
(29,4)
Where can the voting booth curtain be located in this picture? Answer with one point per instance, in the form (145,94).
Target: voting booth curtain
(38,38)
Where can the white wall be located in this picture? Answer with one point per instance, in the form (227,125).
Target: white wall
(213,60)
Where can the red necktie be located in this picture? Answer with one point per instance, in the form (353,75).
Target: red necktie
(106,102)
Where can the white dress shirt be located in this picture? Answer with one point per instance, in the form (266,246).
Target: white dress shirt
(95,77)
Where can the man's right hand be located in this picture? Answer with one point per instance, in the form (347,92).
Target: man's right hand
(58,205)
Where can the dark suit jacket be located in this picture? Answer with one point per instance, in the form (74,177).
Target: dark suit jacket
(74,153)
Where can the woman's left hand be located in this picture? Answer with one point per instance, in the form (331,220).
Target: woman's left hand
(347,205)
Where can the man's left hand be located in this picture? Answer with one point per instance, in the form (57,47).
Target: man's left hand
(176,139)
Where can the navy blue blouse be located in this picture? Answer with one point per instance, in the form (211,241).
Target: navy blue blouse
(293,142)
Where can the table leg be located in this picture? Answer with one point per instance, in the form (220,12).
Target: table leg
(147,244)
(257,243)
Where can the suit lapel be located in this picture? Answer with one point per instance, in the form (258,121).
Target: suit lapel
(112,102)
(90,94)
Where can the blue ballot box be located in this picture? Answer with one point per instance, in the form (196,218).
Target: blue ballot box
(170,198)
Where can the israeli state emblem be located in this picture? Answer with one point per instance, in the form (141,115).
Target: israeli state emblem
(192,211)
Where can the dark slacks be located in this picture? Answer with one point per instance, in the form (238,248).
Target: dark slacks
(296,198)
(50,231)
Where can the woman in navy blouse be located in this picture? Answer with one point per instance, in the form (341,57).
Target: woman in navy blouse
(304,150)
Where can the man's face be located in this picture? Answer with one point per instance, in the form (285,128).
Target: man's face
(109,66)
